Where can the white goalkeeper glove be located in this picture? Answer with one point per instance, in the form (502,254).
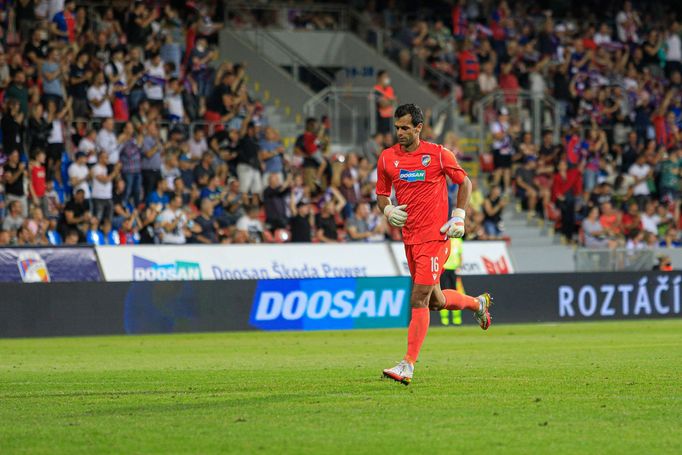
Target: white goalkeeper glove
(397,216)
(455,225)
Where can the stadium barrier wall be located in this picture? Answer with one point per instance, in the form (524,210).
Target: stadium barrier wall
(44,265)
(101,308)
(107,308)
(560,297)
(285,261)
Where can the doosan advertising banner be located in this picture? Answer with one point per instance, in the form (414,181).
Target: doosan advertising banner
(45,265)
(244,262)
(478,258)
(331,304)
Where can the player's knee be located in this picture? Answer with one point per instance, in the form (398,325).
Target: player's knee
(436,306)
(420,298)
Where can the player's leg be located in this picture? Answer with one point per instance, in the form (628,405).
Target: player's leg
(424,268)
(453,300)
(416,332)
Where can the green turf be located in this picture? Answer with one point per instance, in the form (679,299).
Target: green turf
(570,388)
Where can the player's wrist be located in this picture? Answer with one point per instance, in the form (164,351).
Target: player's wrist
(459,213)
(388,209)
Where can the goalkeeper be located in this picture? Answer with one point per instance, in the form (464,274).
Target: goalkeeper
(417,169)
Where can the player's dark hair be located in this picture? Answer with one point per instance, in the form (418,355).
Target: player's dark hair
(411,109)
(381,74)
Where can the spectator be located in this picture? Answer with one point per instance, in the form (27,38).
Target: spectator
(147,226)
(492,209)
(357,227)
(469,70)
(204,172)
(17,91)
(670,176)
(93,236)
(52,71)
(301,223)
(76,215)
(79,77)
(385,102)
(38,183)
(173,223)
(372,149)
(596,236)
(209,227)
(13,177)
(650,219)
(152,149)
(503,149)
(99,97)
(109,143)
(57,138)
(64,23)
(197,144)
(249,164)
(325,221)
(79,174)
(250,225)
(158,199)
(88,145)
(14,219)
(131,158)
(12,127)
(527,190)
(155,79)
(38,129)
(274,200)
(310,146)
(642,173)
(102,185)
(487,81)
(271,155)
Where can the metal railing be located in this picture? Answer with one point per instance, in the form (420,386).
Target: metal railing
(619,259)
(299,67)
(381,40)
(281,14)
(351,110)
(534,112)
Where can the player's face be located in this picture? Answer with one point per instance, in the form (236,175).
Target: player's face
(406,132)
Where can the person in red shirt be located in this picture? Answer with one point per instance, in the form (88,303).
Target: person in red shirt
(385,101)
(469,69)
(417,170)
(38,183)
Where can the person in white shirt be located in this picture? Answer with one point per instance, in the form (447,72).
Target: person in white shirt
(156,78)
(251,225)
(673,51)
(88,145)
(79,174)
(197,144)
(173,101)
(627,22)
(99,97)
(107,142)
(641,171)
(102,187)
(173,222)
(650,219)
(487,82)
(603,36)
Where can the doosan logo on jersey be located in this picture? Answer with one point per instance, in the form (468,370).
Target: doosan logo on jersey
(412,176)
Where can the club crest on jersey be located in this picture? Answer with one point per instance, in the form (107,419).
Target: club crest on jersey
(426,160)
(396,162)
(412,176)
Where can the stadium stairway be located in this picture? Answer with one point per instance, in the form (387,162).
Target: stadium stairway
(533,241)
(282,96)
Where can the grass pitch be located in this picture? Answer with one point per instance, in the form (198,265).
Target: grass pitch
(572,388)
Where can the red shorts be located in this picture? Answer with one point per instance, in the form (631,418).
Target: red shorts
(426,260)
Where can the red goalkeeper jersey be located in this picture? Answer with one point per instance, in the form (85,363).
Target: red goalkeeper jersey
(419,181)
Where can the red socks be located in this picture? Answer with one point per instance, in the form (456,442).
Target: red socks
(457,301)
(416,333)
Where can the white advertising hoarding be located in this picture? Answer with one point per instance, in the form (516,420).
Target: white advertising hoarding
(241,262)
(478,258)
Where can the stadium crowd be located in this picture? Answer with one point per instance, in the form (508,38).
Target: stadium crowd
(120,125)
(614,177)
